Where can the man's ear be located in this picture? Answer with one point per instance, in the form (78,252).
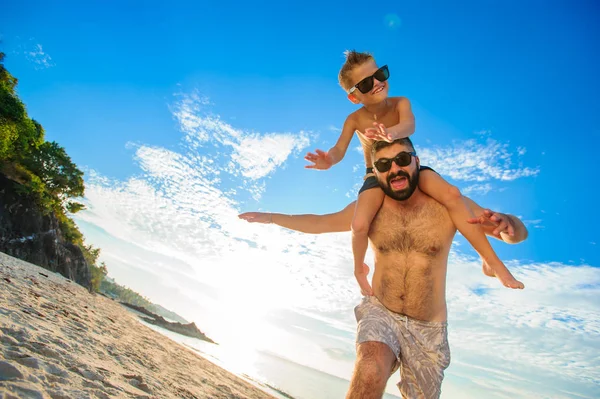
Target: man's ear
(418,162)
(353,99)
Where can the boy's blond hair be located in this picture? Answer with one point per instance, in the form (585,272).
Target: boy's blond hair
(353,59)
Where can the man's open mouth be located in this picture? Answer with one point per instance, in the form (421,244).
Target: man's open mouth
(398,183)
(379,89)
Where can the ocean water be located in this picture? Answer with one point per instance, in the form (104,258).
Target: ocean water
(280,377)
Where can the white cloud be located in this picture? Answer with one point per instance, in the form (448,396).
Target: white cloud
(550,328)
(536,223)
(480,189)
(36,54)
(253,156)
(472,161)
(258,156)
(188,113)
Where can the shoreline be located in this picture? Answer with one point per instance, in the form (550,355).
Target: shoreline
(58,340)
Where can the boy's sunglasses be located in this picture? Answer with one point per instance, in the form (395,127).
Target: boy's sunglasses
(403,158)
(366,85)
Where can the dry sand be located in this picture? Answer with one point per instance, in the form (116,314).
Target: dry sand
(59,341)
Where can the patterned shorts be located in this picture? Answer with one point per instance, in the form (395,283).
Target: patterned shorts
(421,347)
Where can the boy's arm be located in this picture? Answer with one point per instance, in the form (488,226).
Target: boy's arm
(325,160)
(404,128)
(507,228)
(311,224)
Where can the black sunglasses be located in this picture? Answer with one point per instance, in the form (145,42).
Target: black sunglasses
(366,85)
(403,158)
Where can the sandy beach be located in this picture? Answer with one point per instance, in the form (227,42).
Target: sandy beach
(59,341)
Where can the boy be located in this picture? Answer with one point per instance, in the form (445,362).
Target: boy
(389,118)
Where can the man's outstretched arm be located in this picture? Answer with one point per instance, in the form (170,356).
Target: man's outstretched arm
(311,224)
(507,228)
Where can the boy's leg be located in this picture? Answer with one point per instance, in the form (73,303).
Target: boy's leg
(439,189)
(369,202)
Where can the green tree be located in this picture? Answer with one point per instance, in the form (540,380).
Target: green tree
(19,134)
(74,207)
(98,275)
(54,167)
(90,254)
(42,169)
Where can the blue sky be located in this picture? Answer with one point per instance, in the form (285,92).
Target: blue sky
(184,114)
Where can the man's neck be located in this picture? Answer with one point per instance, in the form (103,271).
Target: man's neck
(411,201)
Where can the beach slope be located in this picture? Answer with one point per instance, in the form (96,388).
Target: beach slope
(59,341)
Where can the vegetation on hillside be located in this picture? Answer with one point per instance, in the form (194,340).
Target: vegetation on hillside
(46,173)
(43,168)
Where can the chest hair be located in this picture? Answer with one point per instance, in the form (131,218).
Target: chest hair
(416,229)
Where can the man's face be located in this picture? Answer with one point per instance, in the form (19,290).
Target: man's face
(378,93)
(400,182)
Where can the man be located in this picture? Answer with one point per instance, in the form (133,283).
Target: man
(404,324)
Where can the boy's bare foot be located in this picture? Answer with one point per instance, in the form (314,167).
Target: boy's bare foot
(363,282)
(507,279)
(487,270)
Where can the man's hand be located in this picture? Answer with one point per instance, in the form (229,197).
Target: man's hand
(257,217)
(502,222)
(378,133)
(320,160)
(361,276)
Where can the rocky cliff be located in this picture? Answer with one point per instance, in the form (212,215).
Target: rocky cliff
(26,233)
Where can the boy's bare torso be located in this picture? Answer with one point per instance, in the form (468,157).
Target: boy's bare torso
(364,119)
(411,241)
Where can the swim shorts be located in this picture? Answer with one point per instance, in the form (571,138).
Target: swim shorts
(421,347)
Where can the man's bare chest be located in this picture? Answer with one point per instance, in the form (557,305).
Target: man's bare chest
(424,229)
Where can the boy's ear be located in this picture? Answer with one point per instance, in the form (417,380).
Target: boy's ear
(353,99)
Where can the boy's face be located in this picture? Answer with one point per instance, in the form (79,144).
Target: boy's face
(378,93)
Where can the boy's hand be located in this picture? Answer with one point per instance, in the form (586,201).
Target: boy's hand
(257,217)
(321,160)
(502,222)
(363,281)
(378,133)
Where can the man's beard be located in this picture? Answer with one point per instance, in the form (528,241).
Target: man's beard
(405,193)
